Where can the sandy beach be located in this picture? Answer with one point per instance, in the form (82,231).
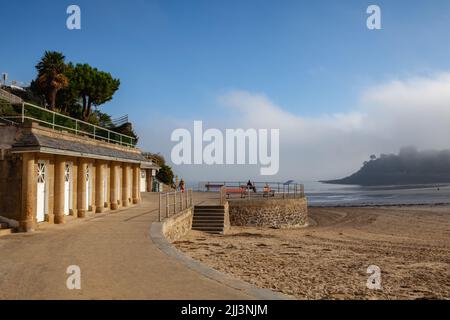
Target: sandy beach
(329,258)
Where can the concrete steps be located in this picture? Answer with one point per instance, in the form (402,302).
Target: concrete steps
(5,229)
(209,218)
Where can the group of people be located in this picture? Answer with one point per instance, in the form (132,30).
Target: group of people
(251,186)
(181,185)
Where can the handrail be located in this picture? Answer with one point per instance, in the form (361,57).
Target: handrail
(223,195)
(178,205)
(267,189)
(10,97)
(110,135)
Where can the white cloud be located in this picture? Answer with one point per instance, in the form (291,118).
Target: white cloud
(414,111)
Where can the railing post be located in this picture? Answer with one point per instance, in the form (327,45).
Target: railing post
(175,202)
(181,201)
(167,205)
(94,132)
(76,127)
(109,132)
(23,112)
(159,211)
(53,122)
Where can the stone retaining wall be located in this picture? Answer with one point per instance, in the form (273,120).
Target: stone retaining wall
(276,213)
(178,225)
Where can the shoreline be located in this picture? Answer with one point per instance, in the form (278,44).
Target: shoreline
(389,205)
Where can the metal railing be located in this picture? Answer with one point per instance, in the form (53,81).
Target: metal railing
(58,121)
(223,195)
(5,95)
(171,203)
(228,189)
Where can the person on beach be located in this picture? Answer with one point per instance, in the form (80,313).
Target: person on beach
(181,185)
(251,186)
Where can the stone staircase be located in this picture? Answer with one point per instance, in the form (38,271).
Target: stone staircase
(209,218)
(5,229)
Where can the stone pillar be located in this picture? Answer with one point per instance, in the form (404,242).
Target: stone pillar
(136,183)
(125,184)
(92,185)
(99,186)
(50,189)
(81,194)
(74,211)
(107,175)
(149,177)
(27,221)
(114,181)
(58,206)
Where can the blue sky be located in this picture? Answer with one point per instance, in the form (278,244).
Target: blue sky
(174,58)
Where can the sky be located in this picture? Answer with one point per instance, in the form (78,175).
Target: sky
(337,91)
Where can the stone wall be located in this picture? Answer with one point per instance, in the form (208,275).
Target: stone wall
(276,213)
(178,225)
(10,184)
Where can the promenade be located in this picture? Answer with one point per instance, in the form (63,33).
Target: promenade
(117,257)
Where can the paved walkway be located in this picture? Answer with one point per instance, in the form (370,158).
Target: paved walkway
(118,260)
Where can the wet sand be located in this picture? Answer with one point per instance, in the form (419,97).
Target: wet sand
(329,258)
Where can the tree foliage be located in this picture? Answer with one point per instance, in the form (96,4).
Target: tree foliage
(165,175)
(51,76)
(94,87)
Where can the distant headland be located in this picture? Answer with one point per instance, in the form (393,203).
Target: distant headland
(408,167)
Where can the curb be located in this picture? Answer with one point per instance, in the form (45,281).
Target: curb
(161,242)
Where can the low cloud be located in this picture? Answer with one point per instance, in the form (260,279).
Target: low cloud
(399,113)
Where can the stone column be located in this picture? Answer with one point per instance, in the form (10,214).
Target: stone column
(27,221)
(81,194)
(99,186)
(106,172)
(114,180)
(74,211)
(50,189)
(149,177)
(92,184)
(125,184)
(136,183)
(58,206)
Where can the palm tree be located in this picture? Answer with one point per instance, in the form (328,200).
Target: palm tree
(51,76)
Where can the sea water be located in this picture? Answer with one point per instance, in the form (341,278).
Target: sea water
(323,194)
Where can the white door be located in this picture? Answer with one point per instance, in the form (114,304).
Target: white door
(40,208)
(88,187)
(67,183)
(143,181)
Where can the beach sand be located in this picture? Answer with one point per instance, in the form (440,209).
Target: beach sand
(329,258)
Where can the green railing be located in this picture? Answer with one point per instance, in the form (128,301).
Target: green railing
(57,121)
